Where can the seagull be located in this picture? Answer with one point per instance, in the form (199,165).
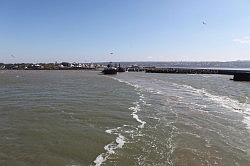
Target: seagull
(111,53)
(204,22)
(12,56)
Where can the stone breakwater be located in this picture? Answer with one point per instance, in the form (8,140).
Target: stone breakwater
(239,75)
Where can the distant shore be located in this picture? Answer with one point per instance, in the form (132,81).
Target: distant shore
(51,66)
(128,65)
(69,66)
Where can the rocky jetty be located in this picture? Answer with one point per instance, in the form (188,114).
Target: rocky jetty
(239,75)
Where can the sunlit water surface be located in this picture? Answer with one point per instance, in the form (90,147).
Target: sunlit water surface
(84,118)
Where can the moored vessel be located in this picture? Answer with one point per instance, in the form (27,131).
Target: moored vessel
(120,69)
(110,69)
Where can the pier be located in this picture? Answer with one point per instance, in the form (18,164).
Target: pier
(238,75)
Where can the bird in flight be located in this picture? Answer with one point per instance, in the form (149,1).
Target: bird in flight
(204,22)
(111,53)
(12,56)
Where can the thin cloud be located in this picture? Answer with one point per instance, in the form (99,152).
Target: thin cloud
(243,40)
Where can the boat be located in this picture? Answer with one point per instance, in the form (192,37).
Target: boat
(109,69)
(120,69)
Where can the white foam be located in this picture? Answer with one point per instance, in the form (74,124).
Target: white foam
(99,160)
(135,109)
(224,101)
(110,131)
(110,148)
(120,139)
(139,120)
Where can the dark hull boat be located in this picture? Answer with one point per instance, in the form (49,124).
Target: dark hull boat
(110,70)
(120,69)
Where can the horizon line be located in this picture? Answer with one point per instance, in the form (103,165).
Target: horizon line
(133,62)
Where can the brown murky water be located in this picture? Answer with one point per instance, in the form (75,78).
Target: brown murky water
(84,118)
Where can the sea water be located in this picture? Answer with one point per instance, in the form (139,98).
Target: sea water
(85,118)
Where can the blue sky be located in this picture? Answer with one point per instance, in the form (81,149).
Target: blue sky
(135,30)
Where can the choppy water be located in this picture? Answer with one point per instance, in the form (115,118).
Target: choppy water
(83,118)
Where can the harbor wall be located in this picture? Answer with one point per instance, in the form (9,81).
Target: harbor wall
(239,75)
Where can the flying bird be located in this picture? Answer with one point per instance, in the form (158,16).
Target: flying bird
(111,53)
(204,22)
(12,56)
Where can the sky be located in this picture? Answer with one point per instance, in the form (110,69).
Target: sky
(133,30)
